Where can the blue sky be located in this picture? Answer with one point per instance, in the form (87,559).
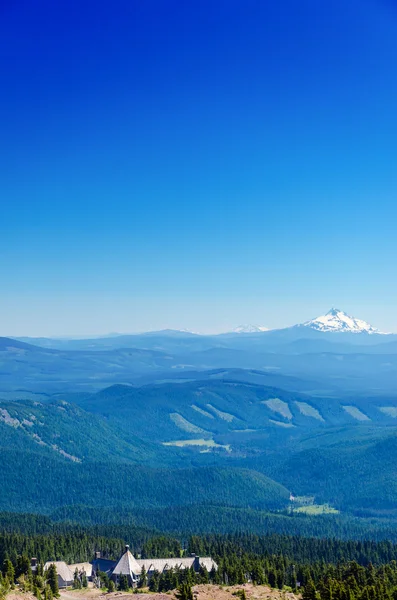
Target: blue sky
(196,164)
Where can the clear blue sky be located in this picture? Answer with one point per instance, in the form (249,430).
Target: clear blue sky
(196,164)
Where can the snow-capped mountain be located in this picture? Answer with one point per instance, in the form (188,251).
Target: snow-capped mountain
(249,329)
(337,320)
(170,332)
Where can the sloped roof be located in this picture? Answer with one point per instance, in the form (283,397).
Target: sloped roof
(163,564)
(86,567)
(208,563)
(127,565)
(62,569)
(103,564)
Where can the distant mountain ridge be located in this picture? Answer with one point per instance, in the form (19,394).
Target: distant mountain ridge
(250,329)
(337,320)
(326,360)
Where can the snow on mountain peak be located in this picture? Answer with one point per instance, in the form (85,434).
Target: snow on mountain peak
(337,320)
(249,329)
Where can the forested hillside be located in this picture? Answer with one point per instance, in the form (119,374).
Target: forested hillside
(323,569)
(42,484)
(192,448)
(60,429)
(181,520)
(360,477)
(271,441)
(245,417)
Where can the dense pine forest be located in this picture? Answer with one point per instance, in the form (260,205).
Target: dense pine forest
(322,569)
(183,520)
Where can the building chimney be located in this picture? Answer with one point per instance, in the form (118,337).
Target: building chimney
(97,555)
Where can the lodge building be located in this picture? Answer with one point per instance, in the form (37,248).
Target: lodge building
(127,566)
(131,567)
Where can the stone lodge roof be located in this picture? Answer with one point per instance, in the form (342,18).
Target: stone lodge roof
(85,567)
(127,565)
(62,569)
(163,564)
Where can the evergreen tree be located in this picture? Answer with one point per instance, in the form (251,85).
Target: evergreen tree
(203,575)
(271,577)
(154,582)
(103,578)
(257,574)
(23,566)
(8,570)
(184,592)
(76,580)
(4,587)
(52,580)
(214,576)
(309,592)
(40,569)
(123,583)
(142,578)
(48,595)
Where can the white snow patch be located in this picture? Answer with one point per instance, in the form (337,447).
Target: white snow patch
(337,320)
(249,329)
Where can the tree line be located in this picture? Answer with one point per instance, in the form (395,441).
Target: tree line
(324,569)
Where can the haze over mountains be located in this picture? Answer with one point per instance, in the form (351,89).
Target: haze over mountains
(334,320)
(309,410)
(331,354)
(249,329)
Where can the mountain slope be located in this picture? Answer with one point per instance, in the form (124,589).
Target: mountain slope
(233,418)
(41,484)
(27,367)
(249,329)
(57,454)
(337,320)
(64,430)
(357,477)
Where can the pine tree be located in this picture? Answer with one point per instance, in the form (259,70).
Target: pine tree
(40,569)
(154,582)
(214,576)
(36,592)
(142,578)
(309,593)
(8,570)
(4,587)
(123,583)
(48,595)
(203,575)
(23,566)
(184,592)
(76,581)
(271,577)
(52,580)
